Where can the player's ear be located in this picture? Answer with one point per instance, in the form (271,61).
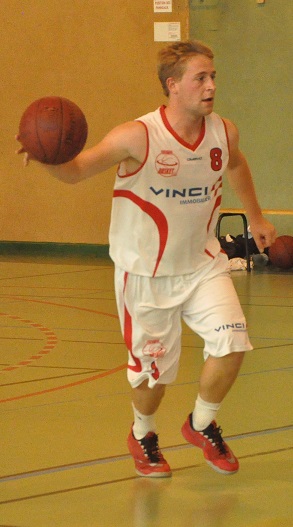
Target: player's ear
(171,84)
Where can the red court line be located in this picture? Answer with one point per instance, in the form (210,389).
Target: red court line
(65,386)
(51,343)
(60,305)
(72,384)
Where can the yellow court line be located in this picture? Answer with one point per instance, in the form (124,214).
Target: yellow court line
(286,212)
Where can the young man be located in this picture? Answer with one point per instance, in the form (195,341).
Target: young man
(168,262)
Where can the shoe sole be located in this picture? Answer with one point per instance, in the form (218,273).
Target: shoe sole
(220,470)
(154,474)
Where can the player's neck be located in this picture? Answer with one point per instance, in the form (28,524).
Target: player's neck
(187,126)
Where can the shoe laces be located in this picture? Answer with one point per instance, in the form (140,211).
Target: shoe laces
(213,433)
(151,448)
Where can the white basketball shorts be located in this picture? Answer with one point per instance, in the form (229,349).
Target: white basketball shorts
(151,310)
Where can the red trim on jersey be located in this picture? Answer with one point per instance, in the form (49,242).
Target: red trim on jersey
(215,189)
(145,159)
(208,253)
(217,186)
(211,255)
(177,137)
(217,204)
(155,213)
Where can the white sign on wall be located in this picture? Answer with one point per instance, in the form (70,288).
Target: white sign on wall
(167,31)
(162,6)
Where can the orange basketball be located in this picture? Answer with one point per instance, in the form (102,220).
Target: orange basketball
(53,130)
(281,252)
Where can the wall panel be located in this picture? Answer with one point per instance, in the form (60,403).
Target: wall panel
(102,55)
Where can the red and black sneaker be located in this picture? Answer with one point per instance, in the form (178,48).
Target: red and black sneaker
(148,459)
(216,452)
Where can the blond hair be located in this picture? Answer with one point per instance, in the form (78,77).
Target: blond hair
(173,58)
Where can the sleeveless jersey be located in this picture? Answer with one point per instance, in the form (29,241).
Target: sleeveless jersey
(164,214)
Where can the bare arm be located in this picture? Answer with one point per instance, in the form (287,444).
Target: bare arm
(240,180)
(126,141)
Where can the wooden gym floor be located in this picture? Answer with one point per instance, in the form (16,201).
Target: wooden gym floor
(65,409)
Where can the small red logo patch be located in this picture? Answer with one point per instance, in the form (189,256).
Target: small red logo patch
(167,164)
(154,348)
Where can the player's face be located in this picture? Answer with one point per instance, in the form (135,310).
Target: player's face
(195,91)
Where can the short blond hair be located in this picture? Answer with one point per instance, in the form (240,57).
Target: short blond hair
(173,58)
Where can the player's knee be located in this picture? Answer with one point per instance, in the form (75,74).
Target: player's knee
(233,362)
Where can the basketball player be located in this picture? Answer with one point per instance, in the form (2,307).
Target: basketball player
(168,263)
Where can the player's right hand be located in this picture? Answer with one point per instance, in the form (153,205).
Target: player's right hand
(27,157)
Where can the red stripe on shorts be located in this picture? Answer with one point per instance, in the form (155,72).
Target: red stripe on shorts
(128,334)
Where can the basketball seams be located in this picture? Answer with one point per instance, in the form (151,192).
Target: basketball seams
(40,145)
(61,130)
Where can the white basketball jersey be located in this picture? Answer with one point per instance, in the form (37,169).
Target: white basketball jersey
(165,213)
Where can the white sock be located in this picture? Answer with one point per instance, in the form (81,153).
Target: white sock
(142,424)
(204,413)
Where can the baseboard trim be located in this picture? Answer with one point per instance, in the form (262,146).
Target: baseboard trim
(11,248)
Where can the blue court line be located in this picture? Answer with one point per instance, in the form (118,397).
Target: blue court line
(117,331)
(114,459)
(284,368)
(247,374)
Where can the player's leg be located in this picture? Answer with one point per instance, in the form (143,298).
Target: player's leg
(143,441)
(215,314)
(218,376)
(152,332)
(147,400)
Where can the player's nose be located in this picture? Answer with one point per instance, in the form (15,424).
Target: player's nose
(211,85)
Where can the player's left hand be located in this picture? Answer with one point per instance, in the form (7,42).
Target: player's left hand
(263,232)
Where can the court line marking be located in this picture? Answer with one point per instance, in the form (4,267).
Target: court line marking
(57,304)
(96,268)
(122,457)
(76,383)
(47,348)
(42,379)
(130,478)
(65,386)
(57,288)
(101,396)
(112,372)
